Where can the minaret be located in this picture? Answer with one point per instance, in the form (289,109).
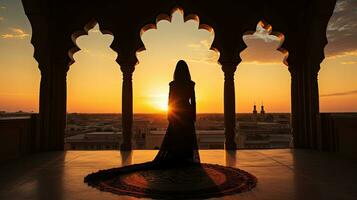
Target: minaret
(255,109)
(255,116)
(262,111)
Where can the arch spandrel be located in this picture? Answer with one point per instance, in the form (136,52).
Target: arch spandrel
(76,34)
(229,19)
(300,21)
(125,19)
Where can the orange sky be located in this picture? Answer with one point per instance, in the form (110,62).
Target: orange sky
(94,80)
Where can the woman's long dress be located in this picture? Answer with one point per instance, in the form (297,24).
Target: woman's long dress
(180,143)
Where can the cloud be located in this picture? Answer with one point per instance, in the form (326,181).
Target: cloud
(15,33)
(341,34)
(258,51)
(349,63)
(342,29)
(95,31)
(202,45)
(262,47)
(344,54)
(262,63)
(194,46)
(207,61)
(206,44)
(339,94)
(203,54)
(262,34)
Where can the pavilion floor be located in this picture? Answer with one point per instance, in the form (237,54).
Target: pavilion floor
(282,173)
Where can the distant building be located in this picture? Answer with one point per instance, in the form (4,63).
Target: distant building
(258,135)
(262,111)
(94,141)
(255,110)
(255,113)
(264,131)
(254,130)
(206,139)
(141,128)
(210,139)
(102,136)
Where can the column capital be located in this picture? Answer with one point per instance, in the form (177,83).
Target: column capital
(229,67)
(127,74)
(127,63)
(127,69)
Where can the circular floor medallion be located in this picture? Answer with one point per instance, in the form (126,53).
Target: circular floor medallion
(194,181)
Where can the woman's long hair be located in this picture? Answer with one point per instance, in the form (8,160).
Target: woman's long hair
(182,73)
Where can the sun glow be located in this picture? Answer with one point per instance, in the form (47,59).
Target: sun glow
(159,102)
(163,107)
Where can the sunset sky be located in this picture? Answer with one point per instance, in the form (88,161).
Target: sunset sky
(94,80)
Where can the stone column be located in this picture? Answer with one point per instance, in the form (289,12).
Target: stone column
(306,52)
(312,111)
(127,105)
(126,43)
(52,108)
(305,114)
(315,110)
(229,104)
(51,46)
(297,108)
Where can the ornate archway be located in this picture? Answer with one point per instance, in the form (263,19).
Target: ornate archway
(302,22)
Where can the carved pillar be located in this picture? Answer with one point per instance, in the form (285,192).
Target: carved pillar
(297,107)
(53,40)
(51,46)
(52,108)
(127,105)
(229,104)
(306,52)
(126,43)
(305,119)
(315,110)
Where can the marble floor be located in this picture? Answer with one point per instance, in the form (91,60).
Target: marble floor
(282,174)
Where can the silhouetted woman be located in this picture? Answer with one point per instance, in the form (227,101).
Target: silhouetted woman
(180,144)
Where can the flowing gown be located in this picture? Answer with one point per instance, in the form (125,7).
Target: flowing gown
(180,143)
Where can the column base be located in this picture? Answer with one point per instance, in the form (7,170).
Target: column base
(125,147)
(230,145)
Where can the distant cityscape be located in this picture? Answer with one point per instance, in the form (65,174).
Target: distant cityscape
(255,130)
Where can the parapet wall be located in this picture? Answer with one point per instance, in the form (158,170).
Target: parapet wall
(18,137)
(339,133)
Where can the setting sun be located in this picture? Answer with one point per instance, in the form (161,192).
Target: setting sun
(161,103)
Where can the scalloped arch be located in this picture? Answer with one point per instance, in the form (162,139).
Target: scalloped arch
(84,31)
(268,27)
(168,17)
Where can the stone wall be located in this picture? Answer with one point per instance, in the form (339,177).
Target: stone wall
(339,133)
(18,137)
